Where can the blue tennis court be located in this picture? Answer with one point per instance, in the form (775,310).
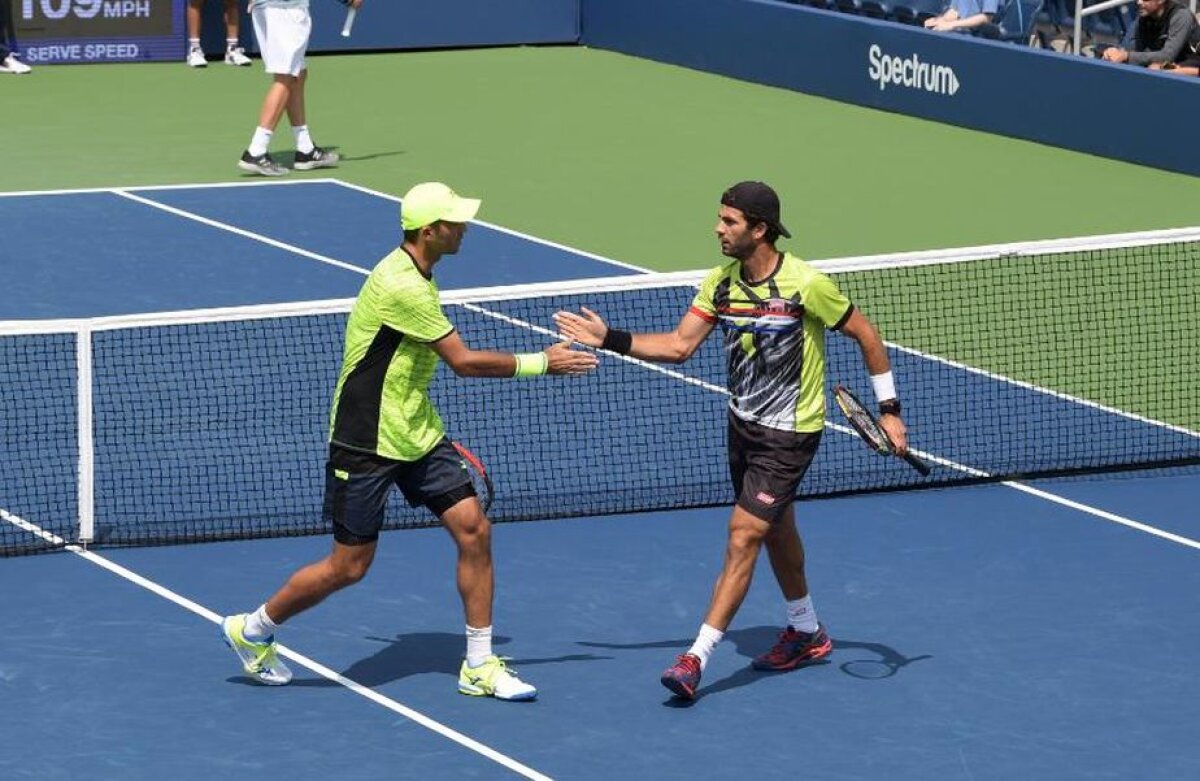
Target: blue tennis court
(1034,629)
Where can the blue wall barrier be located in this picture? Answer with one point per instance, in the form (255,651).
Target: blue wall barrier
(1116,111)
(397,24)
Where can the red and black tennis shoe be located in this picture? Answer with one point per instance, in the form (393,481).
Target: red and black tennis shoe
(795,649)
(683,677)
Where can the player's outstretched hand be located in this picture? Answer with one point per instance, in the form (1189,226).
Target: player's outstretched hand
(587,328)
(561,359)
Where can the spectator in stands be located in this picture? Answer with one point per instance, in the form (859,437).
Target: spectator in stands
(234,53)
(1189,67)
(8,61)
(1166,32)
(282,28)
(964,16)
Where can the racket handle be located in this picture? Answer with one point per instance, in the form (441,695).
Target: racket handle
(349,25)
(917,464)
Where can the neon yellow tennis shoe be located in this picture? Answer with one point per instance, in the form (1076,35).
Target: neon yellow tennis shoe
(259,659)
(494,678)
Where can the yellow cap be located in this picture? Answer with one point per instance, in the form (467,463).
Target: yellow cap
(428,202)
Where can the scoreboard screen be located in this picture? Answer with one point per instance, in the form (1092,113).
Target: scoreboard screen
(56,31)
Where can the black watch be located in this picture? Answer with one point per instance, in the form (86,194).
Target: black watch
(889,407)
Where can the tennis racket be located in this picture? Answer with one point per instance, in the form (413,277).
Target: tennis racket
(348,25)
(869,429)
(479,475)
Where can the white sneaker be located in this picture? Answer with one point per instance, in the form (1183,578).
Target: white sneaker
(195,58)
(259,659)
(493,678)
(12,65)
(236,56)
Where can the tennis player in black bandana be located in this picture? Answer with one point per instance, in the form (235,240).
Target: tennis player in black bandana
(773,310)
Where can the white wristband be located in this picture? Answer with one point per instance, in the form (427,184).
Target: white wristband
(884,385)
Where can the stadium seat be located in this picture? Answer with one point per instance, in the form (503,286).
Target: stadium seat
(1015,22)
(876,9)
(916,11)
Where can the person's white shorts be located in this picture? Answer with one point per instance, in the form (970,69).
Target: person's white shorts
(282,35)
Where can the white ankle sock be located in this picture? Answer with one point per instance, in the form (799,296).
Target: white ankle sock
(259,625)
(304,142)
(706,641)
(231,43)
(193,43)
(260,141)
(801,616)
(479,645)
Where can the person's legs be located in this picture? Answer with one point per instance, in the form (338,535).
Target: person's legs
(295,100)
(281,35)
(278,96)
(472,534)
(195,55)
(310,585)
(252,635)
(356,494)
(786,553)
(256,158)
(746,534)
(194,11)
(308,154)
(482,674)
(803,640)
(8,58)
(765,466)
(440,481)
(232,23)
(234,53)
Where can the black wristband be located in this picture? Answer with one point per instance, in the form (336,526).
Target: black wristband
(889,407)
(617,341)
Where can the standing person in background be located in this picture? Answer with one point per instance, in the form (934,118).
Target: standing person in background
(282,28)
(234,53)
(773,309)
(8,61)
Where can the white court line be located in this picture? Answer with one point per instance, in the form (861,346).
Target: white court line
(295,656)
(1106,515)
(509,231)
(241,232)
(151,187)
(1045,391)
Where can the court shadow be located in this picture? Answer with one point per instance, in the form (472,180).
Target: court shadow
(418,653)
(372,156)
(411,654)
(287,157)
(883,661)
(887,662)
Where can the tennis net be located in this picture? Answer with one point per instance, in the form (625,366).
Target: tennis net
(1013,361)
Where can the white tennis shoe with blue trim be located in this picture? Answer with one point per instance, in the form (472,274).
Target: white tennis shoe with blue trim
(259,659)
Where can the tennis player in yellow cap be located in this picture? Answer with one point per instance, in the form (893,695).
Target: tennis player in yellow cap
(385,431)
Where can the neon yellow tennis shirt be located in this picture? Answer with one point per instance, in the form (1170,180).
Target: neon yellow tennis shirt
(774,331)
(381,404)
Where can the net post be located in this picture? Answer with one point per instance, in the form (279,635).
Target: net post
(87,465)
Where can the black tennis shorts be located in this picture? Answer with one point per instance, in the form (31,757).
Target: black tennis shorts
(767,465)
(357,484)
